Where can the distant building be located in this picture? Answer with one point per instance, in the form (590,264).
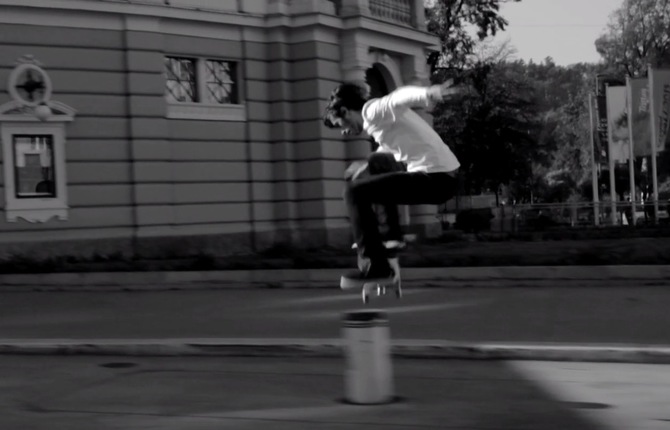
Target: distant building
(172,126)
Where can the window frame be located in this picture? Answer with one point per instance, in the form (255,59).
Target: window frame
(34,208)
(202,109)
(16,169)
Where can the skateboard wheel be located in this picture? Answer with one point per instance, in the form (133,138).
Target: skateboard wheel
(364,294)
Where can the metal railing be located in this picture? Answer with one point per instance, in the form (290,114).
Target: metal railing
(397,11)
(394,11)
(551,216)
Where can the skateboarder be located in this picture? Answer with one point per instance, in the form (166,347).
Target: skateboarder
(430,176)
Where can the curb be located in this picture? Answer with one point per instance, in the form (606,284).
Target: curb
(328,278)
(334,348)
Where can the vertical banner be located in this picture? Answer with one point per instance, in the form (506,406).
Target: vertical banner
(631,152)
(595,165)
(617,125)
(659,85)
(602,81)
(659,88)
(619,149)
(617,140)
(640,116)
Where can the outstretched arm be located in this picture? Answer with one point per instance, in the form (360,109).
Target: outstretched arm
(407,97)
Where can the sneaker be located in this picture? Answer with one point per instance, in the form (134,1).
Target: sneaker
(363,263)
(394,244)
(376,272)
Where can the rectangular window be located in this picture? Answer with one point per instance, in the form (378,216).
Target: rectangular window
(34,167)
(182,83)
(205,89)
(221,82)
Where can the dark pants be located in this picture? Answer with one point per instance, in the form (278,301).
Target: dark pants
(388,217)
(389,189)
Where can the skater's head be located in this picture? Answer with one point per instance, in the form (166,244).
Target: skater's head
(344,109)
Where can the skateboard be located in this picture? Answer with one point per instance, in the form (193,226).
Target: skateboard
(380,288)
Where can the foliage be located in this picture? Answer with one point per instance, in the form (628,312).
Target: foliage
(491,128)
(449,20)
(565,140)
(474,220)
(638,34)
(527,125)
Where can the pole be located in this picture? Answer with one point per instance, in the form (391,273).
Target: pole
(654,141)
(631,153)
(594,169)
(368,377)
(612,166)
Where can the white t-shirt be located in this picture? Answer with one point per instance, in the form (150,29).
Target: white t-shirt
(401,131)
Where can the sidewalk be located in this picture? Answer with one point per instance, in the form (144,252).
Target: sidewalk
(83,393)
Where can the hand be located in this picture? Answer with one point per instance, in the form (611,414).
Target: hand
(449,88)
(355,169)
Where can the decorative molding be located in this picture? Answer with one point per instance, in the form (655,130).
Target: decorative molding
(312,34)
(206,112)
(142,23)
(30,87)
(37,215)
(308,20)
(28,78)
(311,6)
(16,112)
(74,12)
(48,16)
(192,28)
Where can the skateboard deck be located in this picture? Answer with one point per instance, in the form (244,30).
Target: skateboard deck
(380,288)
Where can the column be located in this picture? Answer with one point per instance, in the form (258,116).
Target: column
(355,63)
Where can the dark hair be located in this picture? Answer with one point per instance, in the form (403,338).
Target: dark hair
(348,95)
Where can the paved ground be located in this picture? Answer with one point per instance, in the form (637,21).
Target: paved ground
(83,393)
(562,313)
(203,393)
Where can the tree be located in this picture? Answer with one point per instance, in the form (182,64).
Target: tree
(570,166)
(491,129)
(566,137)
(449,20)
(638,34)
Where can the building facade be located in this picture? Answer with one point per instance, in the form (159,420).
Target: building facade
(163,127)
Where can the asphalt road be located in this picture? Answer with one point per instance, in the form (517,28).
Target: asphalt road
(563,313)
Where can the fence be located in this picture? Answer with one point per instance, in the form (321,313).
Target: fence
(542,217)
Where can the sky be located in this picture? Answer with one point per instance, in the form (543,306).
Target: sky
(562,29)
